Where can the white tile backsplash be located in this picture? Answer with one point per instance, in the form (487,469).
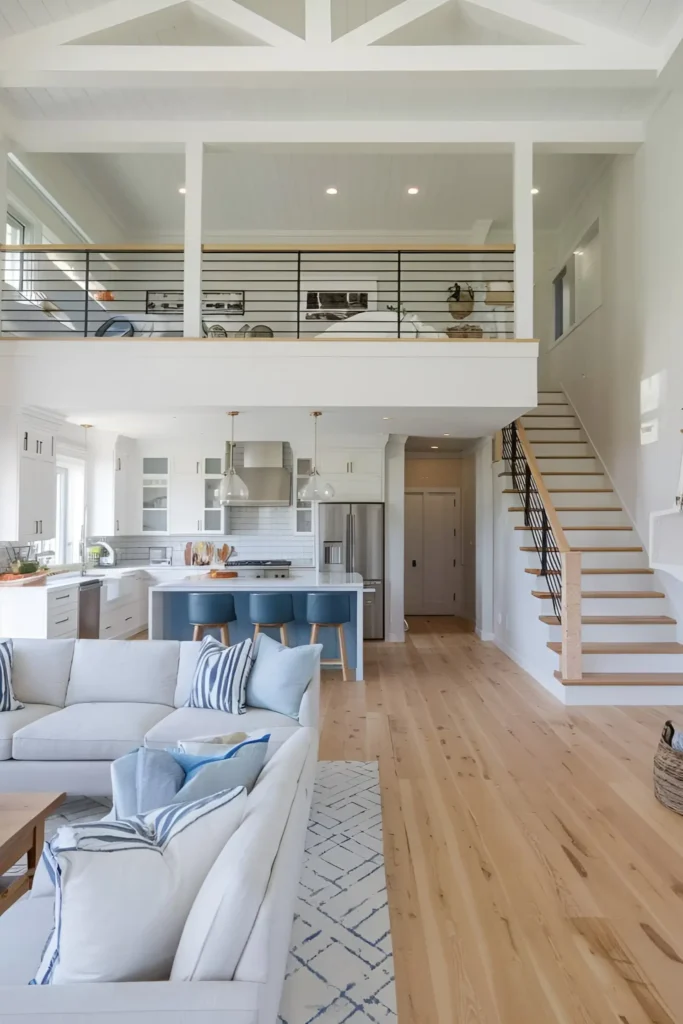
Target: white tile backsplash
(272,544)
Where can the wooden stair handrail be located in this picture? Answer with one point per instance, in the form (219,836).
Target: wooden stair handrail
(253,247)
(571,656)
(562,543)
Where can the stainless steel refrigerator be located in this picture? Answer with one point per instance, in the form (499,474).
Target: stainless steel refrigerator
(351,539)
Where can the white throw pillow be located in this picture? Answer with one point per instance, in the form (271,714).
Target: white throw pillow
(124,889)
(8,702)
(220,677)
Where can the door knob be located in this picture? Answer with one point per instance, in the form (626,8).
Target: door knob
(414,564)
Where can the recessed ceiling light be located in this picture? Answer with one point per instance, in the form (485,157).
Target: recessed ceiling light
(446,435)
(412,191)
(435,447)
(182,190)
(535,191)
(331,191)
(578,252)
(386,417)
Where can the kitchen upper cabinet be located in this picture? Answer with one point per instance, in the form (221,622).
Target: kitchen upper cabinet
(357,474)
(113,497)
(186,501)
(37,444)
(37,500)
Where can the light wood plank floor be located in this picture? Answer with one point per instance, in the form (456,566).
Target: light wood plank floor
(533,877)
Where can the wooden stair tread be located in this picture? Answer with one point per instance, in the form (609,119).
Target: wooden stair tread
(599,572)
(613,594)
(528,429)
(584,528)
(560,442)
(590,550)
(563,457)
(576,508)
(548,416)
(625,679)
(568,490)
(615,620)
(670,647)
(560,472)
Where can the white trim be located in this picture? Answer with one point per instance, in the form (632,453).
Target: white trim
(487,638)
(570,331)
(248,21)
(78,26)
(389,21)
(319,22)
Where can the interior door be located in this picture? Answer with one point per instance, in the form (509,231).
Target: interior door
(440,560)
(414,532)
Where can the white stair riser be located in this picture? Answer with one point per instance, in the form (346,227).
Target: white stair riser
(623,605)
(620,634)
(560,465)
(546,398)
(603,538)
(589,485)
(598,560)
(593,519)
(632,663)
(551,420)
(592,498)
(566,433)
(617,581)
(561,450)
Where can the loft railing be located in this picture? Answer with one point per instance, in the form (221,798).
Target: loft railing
(559,565)
(343,292)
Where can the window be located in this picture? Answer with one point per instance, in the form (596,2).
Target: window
(15,234)
(70,497)
(578,286)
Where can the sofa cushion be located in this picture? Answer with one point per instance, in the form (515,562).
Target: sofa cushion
(24,930)
(123,889)
(188,723)
(124,670)
(87,732)
(41,670)
(189,652)
(223,914)
(12,721)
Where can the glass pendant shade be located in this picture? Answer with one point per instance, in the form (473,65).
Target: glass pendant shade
(232,487)
(315,488)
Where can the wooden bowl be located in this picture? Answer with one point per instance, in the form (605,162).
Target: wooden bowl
(220,574)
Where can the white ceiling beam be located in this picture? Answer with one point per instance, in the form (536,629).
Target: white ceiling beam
(550,19)
(248,21)
(387,22)
(397,136)
(170,65)
(77,26)
(319,22)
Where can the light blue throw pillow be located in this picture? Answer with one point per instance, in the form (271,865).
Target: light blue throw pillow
(280,676)
(240,767)
(193,763)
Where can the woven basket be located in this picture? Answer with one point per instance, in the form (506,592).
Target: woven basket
(668,772)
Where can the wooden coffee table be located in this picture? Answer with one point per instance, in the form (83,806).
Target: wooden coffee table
(22,831)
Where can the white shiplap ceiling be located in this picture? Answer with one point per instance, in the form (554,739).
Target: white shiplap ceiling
(246,191)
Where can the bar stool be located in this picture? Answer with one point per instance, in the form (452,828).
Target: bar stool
(211,611)
(331,610)
(271,611)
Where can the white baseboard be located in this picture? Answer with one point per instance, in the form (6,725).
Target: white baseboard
(486,637)
(548,683)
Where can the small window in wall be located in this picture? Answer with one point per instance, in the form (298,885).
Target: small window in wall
(578,286)
(15,234)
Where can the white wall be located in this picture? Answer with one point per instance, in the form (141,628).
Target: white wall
(633,341)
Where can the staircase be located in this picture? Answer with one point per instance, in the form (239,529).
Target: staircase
(628,635)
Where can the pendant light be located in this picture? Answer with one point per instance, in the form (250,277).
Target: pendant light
(315,488)
(233,487)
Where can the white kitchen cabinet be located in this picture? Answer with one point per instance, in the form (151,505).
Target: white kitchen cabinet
(112,467)
(123,606)
(155,493)
(186,501)
(357,474)
(39,612)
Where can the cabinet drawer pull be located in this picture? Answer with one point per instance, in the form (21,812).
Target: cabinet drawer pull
(60,622)
(129,619)
(63,597)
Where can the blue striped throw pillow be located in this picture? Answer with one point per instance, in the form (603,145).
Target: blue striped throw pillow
(220,677)
(8,702)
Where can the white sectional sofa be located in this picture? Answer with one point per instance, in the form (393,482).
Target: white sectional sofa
(88,702)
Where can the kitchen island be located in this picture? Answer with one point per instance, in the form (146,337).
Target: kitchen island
(169,620)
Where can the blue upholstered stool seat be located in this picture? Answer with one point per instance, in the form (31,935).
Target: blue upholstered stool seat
(271,610)
(331,610)
(212,610)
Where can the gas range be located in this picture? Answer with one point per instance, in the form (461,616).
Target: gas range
(269,568)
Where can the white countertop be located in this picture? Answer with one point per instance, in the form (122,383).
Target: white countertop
(309,581)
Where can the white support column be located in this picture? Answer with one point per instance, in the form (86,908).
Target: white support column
(394,560)
(3,216)
(194,183)
(523,209)
(319,22)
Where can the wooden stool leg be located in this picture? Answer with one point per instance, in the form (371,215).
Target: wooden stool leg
(225,634)
(315,629)
(284,640)
(257,630)
(198,633)
(342,653)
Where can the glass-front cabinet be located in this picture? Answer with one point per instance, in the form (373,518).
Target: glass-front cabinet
(213,512)
(304,509)
(155,490)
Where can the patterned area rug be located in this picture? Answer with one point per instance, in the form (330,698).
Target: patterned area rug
(341,966)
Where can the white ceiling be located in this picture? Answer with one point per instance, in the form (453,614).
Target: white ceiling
(285,192)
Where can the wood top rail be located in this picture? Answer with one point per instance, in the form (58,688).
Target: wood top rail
(560,538)
(252,247)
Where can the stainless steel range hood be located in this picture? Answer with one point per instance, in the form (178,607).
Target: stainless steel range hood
(269,483)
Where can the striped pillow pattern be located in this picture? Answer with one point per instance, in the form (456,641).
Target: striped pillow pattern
(153,832)
(8,701)
(220,677)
